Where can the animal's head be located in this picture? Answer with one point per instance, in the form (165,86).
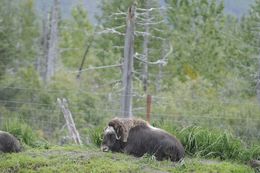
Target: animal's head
(110,140)
(117,132)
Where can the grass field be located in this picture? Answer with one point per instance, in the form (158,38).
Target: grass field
(91,159)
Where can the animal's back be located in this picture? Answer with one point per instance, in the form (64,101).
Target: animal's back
(144,139)
(8,143)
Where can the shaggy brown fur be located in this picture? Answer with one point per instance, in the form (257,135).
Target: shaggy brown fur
(122,126)
(8,143)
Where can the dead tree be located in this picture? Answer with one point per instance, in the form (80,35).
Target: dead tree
(159,76)
(145,48)
(146,25)
(258,80)
(41,59)
(90,43)
(149,20)
(84,57)
(126,97)
(74,134)
(52,50)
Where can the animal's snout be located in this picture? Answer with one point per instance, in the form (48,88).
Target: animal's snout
(104,148)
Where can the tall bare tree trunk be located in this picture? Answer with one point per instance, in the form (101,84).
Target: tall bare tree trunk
(52,54)
(126,98)
(258,82)
(160,75)
(145,50)
(42,59)
(159,79)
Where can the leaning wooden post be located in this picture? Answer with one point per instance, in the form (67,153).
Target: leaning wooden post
(148,108)
(69,120)
(126,97)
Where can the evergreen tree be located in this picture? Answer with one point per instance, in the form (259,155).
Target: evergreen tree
(75,36)
(205,44)
(250,34)
(18,34)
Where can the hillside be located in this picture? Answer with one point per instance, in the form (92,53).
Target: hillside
(91,159)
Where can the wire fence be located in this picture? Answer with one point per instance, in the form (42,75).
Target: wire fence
(240,117)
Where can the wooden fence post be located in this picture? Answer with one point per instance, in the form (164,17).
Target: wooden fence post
(74,134)
(148,108)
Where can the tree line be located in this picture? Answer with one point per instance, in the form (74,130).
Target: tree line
(184,44)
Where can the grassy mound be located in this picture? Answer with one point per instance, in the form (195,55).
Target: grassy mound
(91,159)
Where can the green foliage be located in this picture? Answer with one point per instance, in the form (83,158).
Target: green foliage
(96,136)
(249,27)
(207,44)
(249,34)
(197,102)
(24,133)
(210,143)
(209,81)
(25,94)
(21,131)
(18,34)
(75,36)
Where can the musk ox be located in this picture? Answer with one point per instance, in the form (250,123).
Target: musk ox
(137,137)
(8,143)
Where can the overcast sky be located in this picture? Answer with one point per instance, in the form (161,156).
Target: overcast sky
(233,7)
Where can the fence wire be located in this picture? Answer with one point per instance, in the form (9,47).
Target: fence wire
(241,118)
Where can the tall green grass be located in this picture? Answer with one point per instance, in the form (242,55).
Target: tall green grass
(24,133)
(96,135)
(212,143)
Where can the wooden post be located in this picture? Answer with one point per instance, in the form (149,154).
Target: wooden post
(74,134)
(148,108)
(126,97)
